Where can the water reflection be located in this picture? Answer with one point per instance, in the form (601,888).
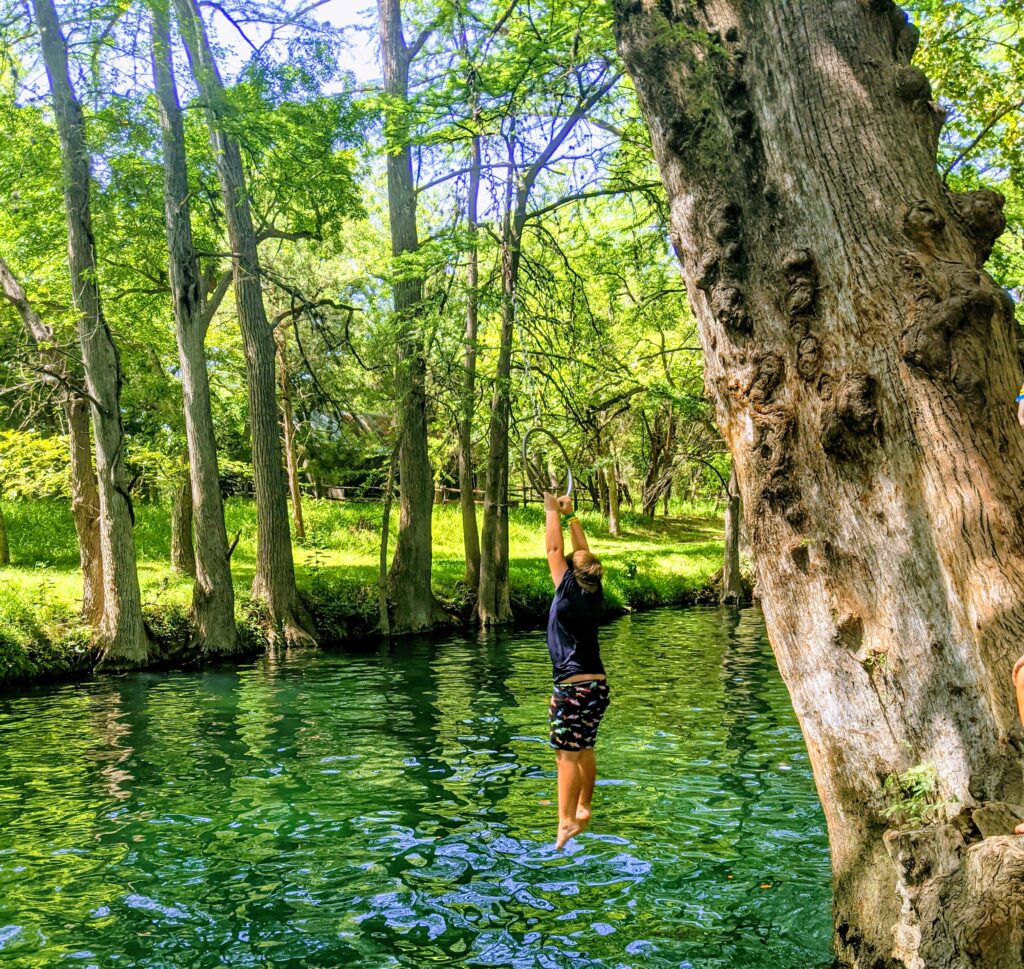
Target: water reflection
(394,807)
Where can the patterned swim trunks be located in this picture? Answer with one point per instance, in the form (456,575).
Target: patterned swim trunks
(575,713)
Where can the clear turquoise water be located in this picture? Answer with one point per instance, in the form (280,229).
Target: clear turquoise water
(394,808)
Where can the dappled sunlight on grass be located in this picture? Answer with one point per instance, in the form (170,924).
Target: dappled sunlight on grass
(653,562)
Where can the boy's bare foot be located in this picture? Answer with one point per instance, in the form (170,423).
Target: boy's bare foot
(582,817)
(566,832)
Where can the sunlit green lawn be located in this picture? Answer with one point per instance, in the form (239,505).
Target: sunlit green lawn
(664,561)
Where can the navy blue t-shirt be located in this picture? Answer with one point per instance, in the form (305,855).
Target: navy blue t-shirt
(572,629)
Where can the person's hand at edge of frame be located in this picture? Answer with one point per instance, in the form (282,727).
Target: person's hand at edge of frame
(565,504)
(551,503)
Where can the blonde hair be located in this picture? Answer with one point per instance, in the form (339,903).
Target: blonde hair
(587,570)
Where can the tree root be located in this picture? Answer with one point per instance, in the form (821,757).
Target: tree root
(963,905)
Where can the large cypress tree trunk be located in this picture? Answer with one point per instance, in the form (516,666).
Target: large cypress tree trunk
(121,632)
(863,367)
(85,502)
(213,595)
(274,582)
(412,601)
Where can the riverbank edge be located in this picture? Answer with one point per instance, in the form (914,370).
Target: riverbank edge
(338,623)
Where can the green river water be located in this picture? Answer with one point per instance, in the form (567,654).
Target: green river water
(393,806)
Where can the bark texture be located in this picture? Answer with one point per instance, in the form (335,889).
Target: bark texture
(121,632)
(274,582)
(206,558)
(66,382)
(412,601)
(863,366)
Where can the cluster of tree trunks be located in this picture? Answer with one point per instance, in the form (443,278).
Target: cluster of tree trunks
(863,366)
(205,557)
(274,582)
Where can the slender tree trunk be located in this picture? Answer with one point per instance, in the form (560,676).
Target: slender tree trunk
(493,605)
(384,617)
(863,368)
(85,507)
(288,422)
(732,581)
(613,499)
(121,632)
(5,550)
(213,595)
(413,604)
(183,555)
(467,498)
(274,582)
(85,502)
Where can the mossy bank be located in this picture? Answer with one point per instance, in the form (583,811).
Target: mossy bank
(660,562)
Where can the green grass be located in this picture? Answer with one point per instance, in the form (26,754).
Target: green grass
(659,562)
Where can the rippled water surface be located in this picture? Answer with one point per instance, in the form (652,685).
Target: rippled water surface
(395,808)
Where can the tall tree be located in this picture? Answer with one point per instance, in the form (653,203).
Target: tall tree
(274,582)
(65,382)
(589,87)
(412,601)
(121,633)
(863,366)
(467,492)
(213,595)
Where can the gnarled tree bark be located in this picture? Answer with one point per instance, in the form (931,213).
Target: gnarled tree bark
(121,632)
(274,582)
(863,367)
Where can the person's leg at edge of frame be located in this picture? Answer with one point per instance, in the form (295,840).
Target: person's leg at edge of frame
(569,785)
(588,778)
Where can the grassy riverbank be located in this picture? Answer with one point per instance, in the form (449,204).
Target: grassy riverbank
(660,562)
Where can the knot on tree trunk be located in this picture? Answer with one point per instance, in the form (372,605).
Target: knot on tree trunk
(801,273)
(808,358)
(981,215)
(850,423)
(923,223)
(962,907)
(729,307)
(949,322)
(773,450)
(912,84)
